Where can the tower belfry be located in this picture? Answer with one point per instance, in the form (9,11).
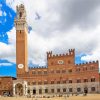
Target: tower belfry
(20,20)
(21,40)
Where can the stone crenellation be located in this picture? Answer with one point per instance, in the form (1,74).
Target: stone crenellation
(87,63)
(70,53)
(38,67)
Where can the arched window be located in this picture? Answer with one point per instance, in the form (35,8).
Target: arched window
(93,89)
(64,89)
(46,90)
(52,90)
(78,80)
(70,70)
(33,72)
(58,90)
(69,61)
(45,82)
(63,71)
(52,71)
(34,91)
(29,83)
(57,71)
(20,31)
(28,91)
(58,82)
(70,81)
(39,72)
(85,80)
(34,83)
(52,82)
(45,72)
(64,81)
(92,79)
(78,89)
(52,63)
(40,83)
(70,89)
(40,91)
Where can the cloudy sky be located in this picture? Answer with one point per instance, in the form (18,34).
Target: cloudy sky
(61,25)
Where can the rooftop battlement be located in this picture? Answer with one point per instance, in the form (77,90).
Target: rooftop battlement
(87,63)
(71,52)
(38,67)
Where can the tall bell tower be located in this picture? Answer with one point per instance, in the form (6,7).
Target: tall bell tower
(21,41)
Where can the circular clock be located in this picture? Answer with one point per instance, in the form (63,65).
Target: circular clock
(60,62)
(20,65)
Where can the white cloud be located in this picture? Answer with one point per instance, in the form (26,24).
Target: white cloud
(0,5)
(60,43)
(94,56)
(4,13)
(38,45)
(60,28)
(8,51)
(12,36)
(0,13)
(5,64)
(94,53)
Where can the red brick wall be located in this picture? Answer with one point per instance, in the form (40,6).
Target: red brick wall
(87,70)
(6,84)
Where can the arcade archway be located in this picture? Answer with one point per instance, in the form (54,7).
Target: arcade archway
(85,90)
(19,89)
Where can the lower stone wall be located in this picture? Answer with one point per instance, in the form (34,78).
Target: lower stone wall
(60,89)
(6,92)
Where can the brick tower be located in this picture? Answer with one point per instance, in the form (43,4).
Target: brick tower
(21,41)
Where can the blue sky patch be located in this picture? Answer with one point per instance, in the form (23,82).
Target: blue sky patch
(6,21)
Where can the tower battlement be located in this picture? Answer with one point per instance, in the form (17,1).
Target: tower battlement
(20,20)
(21,12)
(71,52)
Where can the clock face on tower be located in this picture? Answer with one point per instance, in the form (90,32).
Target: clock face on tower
(20,66)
